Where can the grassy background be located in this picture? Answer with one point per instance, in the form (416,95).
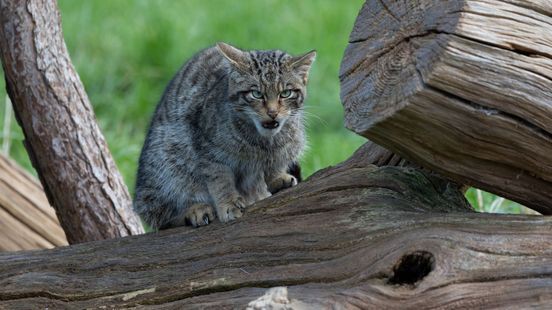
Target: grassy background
(126,51)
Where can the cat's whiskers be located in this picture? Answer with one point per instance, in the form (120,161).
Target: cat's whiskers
(309,116)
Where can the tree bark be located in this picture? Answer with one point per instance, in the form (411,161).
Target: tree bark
(460,87)
(27,221)
(62,138)
(351,236)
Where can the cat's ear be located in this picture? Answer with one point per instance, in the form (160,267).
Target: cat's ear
(302,64)
(234,55)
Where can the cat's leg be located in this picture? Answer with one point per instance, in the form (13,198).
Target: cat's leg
(253,187)
(262,191)
(199,214)
(196,214)
(229,204)
(258,192)
(280,181)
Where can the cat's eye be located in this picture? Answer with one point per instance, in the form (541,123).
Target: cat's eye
(286,93)
(256,94)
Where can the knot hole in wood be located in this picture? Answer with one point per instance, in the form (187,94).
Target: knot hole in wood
(412,268)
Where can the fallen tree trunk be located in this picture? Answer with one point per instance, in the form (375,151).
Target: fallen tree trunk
(62,137)
(460,87)
(27,221)
(354,236)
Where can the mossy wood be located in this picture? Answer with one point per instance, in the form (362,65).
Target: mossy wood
(460,87)
(356,236)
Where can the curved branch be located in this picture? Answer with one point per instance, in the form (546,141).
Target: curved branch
(63,140)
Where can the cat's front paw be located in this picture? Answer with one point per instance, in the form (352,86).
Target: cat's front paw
(199,214)
(281,182)
(232,210)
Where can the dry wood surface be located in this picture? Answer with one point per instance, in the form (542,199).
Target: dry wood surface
(27,221)
(355,236)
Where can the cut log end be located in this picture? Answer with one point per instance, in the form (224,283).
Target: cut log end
(457,90)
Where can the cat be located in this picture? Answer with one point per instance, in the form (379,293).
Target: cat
(227,132)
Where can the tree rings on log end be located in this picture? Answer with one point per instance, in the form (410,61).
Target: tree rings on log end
(389,48)
(459,87)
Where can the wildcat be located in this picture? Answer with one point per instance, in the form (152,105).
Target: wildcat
(225,134)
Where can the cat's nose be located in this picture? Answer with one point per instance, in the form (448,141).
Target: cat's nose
(272,113)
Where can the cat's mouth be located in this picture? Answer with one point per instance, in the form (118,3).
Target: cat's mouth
(269,128)
(270,124)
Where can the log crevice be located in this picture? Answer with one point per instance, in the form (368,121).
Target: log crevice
(492,111)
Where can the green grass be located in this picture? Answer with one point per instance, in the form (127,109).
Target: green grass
(486,202)
(126,51)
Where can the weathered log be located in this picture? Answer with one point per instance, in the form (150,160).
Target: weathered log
(63,140)
(352,236)
(461,87)
(27,221)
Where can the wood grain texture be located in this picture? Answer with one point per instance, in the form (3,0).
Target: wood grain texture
(354,236)
(459,87)
(27,221)
(62,138)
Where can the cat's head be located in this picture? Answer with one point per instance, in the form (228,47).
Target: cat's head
(267,87)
